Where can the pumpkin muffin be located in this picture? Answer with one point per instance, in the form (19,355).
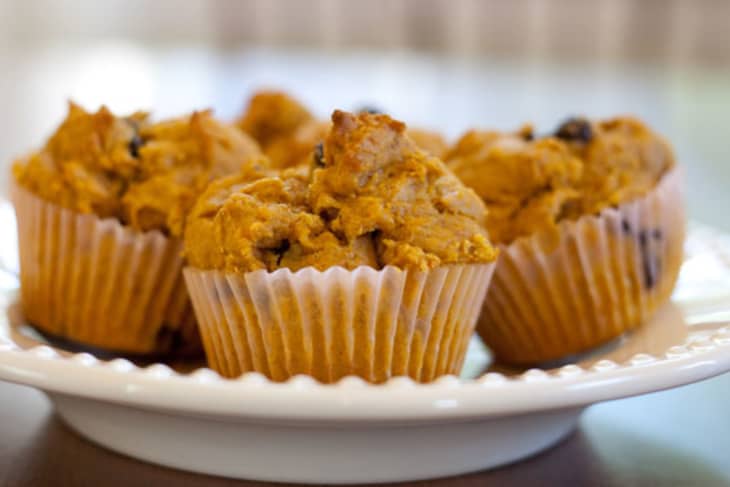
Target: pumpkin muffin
(373,261)
(591,225)
(100,210)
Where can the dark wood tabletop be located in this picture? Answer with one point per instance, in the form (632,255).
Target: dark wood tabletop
(679,437)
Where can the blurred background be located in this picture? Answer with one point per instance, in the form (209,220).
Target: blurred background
(444,64)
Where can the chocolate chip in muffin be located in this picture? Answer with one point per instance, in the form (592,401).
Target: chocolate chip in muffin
(527,132)
(575,129)
(650,263)
(626,227)
(281,250)
(135,144)
(329,214)
(319,155)
(375,237)
(649,260)
(136,141)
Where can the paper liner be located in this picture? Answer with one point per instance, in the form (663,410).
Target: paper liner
(95,282)
(600,276)
(375,324)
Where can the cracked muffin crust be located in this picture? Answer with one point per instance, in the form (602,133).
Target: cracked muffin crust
(532,184)
(373,198)
(243,224)
(376,180)
(178,159)
(85,164)
(147,175)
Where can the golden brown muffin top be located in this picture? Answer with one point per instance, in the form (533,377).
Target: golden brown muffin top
(271,115)
(179,158)
(84,164)
(241,224)
(623,160)
(530,185)
(288,133)
(145,174)
(373,198)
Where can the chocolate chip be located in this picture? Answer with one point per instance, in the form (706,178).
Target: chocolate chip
(527,133)
(575,129)
(626,227)
(136,141)
(649,261)
(375,236)
(319,155)
(280,250)
(649,279)
(369,109)
(329,214)
(651,271)
(135,144)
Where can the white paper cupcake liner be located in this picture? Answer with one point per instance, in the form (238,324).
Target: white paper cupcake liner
(375,324)
(600,276)
(95,282)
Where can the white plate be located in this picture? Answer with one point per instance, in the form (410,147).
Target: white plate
(353,432)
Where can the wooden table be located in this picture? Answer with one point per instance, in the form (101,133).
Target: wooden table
(679,437)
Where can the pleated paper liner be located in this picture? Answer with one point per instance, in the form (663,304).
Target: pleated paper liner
(93,281)
(601,276)
(375,324)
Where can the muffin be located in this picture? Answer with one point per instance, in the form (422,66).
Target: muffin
(288,132)
(373,261)
(591,225)
(100,211)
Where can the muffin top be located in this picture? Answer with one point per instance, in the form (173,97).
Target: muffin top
(145,174)
(371,198)
(297,148)
(429,140)
(531,184)
(271,115)
(288,133)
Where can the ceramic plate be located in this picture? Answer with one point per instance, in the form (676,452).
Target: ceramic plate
(353,432)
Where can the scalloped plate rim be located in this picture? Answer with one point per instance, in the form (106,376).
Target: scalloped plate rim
(399,400)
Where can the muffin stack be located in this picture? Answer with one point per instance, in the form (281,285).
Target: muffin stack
(353,246)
